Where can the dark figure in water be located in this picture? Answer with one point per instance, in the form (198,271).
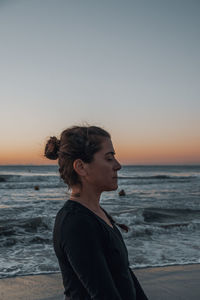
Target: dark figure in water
(89,246)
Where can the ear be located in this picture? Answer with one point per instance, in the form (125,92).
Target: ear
(79,167)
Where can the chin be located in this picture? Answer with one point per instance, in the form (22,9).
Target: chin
(111,188)
(116,187)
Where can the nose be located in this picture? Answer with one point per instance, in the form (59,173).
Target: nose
(117,166)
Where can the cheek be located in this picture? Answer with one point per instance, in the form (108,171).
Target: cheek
(101,173)
(103,176)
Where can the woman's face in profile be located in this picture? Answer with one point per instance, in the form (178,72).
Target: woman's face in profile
(102,171)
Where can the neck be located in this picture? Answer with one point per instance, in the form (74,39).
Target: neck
(87,197)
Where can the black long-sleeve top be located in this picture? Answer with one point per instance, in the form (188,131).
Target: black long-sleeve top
(93,257)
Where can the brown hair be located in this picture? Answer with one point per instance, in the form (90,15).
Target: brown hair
(77,142)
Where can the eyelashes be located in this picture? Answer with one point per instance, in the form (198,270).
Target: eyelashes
(110,158)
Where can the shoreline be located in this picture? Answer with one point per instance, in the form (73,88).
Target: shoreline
(133,268)
(163,266)
(159,283)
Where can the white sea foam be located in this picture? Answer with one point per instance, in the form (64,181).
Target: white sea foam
(161,208)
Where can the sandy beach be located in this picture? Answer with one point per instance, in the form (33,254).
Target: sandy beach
(161,283)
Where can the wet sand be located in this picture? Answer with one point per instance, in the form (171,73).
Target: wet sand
(162,283)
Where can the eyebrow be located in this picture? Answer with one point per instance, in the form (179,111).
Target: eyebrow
(111,152)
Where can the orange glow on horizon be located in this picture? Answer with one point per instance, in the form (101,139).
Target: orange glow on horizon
(180,153)
(160,154)
(23,156)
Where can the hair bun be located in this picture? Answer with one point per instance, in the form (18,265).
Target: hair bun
(52,148)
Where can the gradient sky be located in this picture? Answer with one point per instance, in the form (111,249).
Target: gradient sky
(132,67)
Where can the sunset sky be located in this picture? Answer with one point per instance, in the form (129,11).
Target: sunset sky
(132,67)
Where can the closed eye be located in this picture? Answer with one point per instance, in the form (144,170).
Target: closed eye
(110,156)
(109,159)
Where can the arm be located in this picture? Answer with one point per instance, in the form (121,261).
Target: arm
(139,291)
(82,245)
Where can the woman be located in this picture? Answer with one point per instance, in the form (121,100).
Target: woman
(90,249)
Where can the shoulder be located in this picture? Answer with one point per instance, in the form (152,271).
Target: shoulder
(79,222)
(72,219)
(78,227)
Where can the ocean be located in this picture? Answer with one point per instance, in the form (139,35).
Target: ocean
(161,206)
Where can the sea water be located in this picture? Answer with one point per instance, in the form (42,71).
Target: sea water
(161,206)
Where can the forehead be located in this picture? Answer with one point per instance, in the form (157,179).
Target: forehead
(106,146)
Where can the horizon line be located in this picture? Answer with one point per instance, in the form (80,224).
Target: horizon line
(130,164)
